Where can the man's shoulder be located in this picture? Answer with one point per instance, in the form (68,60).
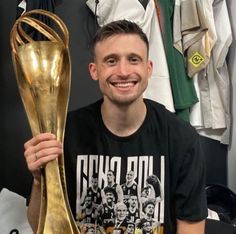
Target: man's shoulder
(85,119)
(158,110)
(86,110)
(169,121)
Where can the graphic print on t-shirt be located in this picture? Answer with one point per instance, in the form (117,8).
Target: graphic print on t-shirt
(117,194)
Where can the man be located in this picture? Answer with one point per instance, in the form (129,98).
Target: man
(87,216)
(130,228)
(106,213)
(148,211)
(113,185)
(130,187)
(147,227)
(123,131)
(133,210)
(121,221)
(94,191)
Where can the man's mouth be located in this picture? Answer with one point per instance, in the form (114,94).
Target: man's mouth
(124,84)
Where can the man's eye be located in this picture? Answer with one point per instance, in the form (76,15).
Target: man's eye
(134,59)
(111,61)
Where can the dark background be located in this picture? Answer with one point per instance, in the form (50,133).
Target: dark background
(14,128)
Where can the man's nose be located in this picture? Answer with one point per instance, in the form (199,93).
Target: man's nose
(124,68)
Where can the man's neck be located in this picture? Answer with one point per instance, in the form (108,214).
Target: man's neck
(110,184)
(129,183)
(123,120)
(94,189)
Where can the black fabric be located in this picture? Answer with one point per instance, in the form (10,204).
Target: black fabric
(48,5)
(218,227)
(144,3)
(162,136)
(222,200)
(19,10)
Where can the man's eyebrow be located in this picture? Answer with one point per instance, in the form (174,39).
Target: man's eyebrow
(110,56)
(135,55)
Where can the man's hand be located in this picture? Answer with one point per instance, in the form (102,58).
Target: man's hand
(40,150)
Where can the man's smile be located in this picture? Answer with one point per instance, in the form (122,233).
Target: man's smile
(126,84)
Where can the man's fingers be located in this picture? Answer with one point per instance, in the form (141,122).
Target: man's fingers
(35,165)
(39,138)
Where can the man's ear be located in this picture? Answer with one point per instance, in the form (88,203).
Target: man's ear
(150,68)
(93,71)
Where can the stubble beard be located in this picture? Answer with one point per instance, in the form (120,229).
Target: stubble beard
(123,101)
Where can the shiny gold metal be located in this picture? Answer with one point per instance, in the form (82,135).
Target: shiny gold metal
(43,74)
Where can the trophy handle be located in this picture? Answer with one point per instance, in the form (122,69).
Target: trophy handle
(15,39)
(43,75)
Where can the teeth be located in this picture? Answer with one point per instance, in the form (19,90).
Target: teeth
(123,85)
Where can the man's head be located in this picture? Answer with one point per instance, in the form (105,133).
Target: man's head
(130,176)
(116,28)
(130,227)
(110,196)
(120,211)
(133,201)
(145,225)
(110,176)
(149,206)
(94,180)
(121,65)
(88,201)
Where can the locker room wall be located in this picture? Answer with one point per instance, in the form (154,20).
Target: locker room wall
(14,128)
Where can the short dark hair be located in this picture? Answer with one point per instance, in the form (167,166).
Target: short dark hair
(113,173)
(109,190)
(95,175)
(119,27)
(149,201)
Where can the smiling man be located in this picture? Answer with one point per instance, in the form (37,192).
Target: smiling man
(124,132)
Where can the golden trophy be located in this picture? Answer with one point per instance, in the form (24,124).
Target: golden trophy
(43,74)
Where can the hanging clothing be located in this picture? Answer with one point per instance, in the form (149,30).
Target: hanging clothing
(190,34)
(196,115)
(184,94)
(218,78)
(21,8)
(159,88)
(28,5)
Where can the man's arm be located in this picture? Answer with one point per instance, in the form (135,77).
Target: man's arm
(119,193)
(39,150)
(187,227)
(34,206)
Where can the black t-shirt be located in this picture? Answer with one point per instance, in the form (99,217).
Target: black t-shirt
(164,154)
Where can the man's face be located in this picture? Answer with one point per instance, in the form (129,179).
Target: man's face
(88,202)
(110,197)
(122,68)
(150,209)
(133,201)
(121,212)
(130,229)
(147,226)
(110,176)
(94,182)
(130,176)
